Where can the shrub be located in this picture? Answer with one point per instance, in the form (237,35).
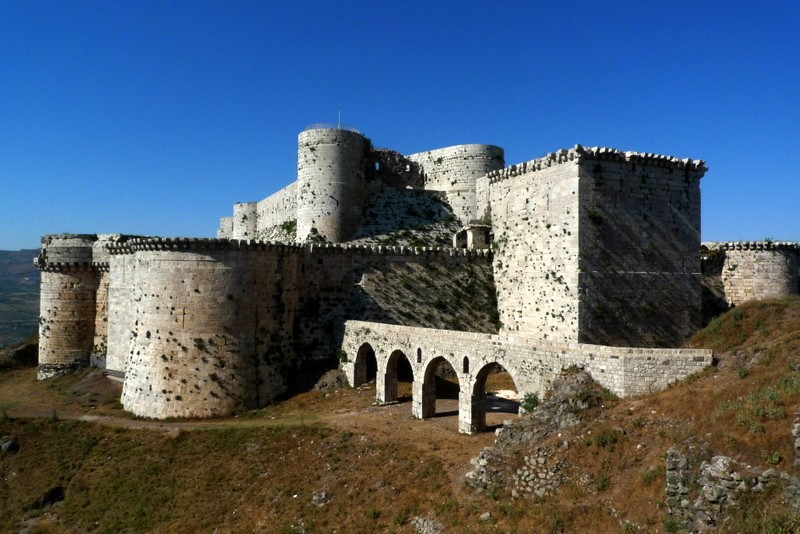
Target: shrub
(529,402)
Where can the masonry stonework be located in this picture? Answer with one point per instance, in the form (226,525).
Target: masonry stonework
(587,257)
(755,270)
(455,171)
(532,363)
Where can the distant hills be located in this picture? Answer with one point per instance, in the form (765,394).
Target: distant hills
(19,295)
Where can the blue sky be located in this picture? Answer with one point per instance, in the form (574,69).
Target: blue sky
(155,117)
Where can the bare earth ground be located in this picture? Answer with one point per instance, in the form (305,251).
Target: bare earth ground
(382,468)
(95,398)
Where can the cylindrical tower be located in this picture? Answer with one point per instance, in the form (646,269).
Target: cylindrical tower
(331,170)
(67,303)
(192,351)
(759,270)
(455,171)
(245,215)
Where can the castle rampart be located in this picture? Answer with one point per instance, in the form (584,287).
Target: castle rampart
(277,209)
(202,327)
(755,270)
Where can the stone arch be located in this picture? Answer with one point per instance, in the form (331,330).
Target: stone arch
(365,365)
(429,388)
(398,366)
(478,397)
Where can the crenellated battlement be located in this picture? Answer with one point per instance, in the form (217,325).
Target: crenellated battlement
(562,156)
(136,244)
(753,245)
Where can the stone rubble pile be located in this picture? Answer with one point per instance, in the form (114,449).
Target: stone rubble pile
(697,497)
(541,471)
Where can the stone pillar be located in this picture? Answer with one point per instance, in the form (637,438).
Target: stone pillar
(471,409)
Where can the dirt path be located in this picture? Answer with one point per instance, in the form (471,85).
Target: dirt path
(94,398)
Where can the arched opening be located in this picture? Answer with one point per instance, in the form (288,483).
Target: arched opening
(494,397)
(399,378)
(366,365)
(440,388)
(419,355)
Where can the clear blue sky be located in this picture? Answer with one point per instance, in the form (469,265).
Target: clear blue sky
(155,117)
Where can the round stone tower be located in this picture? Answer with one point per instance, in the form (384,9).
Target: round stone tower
(67,303)
(331,174)
(759,270)
(455,171)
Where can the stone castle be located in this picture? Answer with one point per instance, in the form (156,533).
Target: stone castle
(372,259)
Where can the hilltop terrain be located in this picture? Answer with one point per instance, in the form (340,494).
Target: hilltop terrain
(330,461)
(19,295)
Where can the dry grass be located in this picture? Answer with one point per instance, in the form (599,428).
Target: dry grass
(381,467)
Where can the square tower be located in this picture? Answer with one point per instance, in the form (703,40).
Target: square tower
(597,246)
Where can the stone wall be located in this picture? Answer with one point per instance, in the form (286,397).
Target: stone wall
(757,270)
(121,309)
(67,315)
(639,248)
(331,175)
(225,230)
(277,209)
(532,364)
(590,242)
(534,215)
(245,220)
(203,327)
(455,170)
(701,488)
(208,334)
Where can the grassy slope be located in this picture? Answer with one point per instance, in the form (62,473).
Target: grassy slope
(240,478)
